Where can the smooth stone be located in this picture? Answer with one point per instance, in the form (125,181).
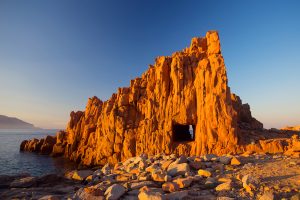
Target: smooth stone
(204,173)
(235,161)
(224,186)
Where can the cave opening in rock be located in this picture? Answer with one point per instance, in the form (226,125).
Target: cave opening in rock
(183,132)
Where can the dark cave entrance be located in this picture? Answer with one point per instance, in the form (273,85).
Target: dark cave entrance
(183,133)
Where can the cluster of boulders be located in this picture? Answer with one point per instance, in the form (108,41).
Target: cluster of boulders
(164,177)
(42,146)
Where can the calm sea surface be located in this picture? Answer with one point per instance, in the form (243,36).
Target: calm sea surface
(12,161)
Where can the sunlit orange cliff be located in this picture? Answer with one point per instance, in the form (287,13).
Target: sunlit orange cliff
(182,104)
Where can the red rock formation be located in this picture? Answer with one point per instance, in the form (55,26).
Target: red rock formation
(291,128)
(188,88)
(43,146)
(245,119)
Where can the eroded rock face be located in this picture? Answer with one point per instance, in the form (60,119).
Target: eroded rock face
(154,115)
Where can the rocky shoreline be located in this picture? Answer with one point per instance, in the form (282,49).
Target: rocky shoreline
(246,176)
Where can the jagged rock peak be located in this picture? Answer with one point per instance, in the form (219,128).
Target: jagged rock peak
(182,104)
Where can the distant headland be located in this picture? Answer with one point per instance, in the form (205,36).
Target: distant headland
(15,123)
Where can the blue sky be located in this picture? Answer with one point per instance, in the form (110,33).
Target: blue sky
(56,54)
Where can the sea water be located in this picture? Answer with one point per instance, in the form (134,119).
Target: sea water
(12,161)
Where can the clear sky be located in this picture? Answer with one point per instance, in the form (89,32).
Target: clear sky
(55,54)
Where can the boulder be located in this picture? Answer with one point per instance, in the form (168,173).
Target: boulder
(145,195)
(183,182)
(227,186)
(235,161)
(210,157)
(249,182)
(158,176)
(268,195)
(204,173)
(49,180)
(86,194)
(225,159)
(177,195)
(196,165)
(114,192)
(170,187)
(81,174)
(23,145)
(178,169)
(24,182)
(106,169)
(138,185)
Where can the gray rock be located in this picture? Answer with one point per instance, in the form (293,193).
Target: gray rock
(81,174)
(249,182)
(106,169)
(225,160)
(23,182)
(49,197)
(81,194)
(138,185)
(184,182)
(181,159)
(196,164)
(114,192)
(177,195)
(210,157)
(96,173)
(168,178)
(178,169)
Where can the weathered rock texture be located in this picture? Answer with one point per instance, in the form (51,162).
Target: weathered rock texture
(188,88)
(291,128)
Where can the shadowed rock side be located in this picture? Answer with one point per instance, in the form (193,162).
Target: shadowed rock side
(187,89)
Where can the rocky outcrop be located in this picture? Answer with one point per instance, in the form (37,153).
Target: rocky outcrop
(43,146)
(188,90)
(291,128)
(244,116)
